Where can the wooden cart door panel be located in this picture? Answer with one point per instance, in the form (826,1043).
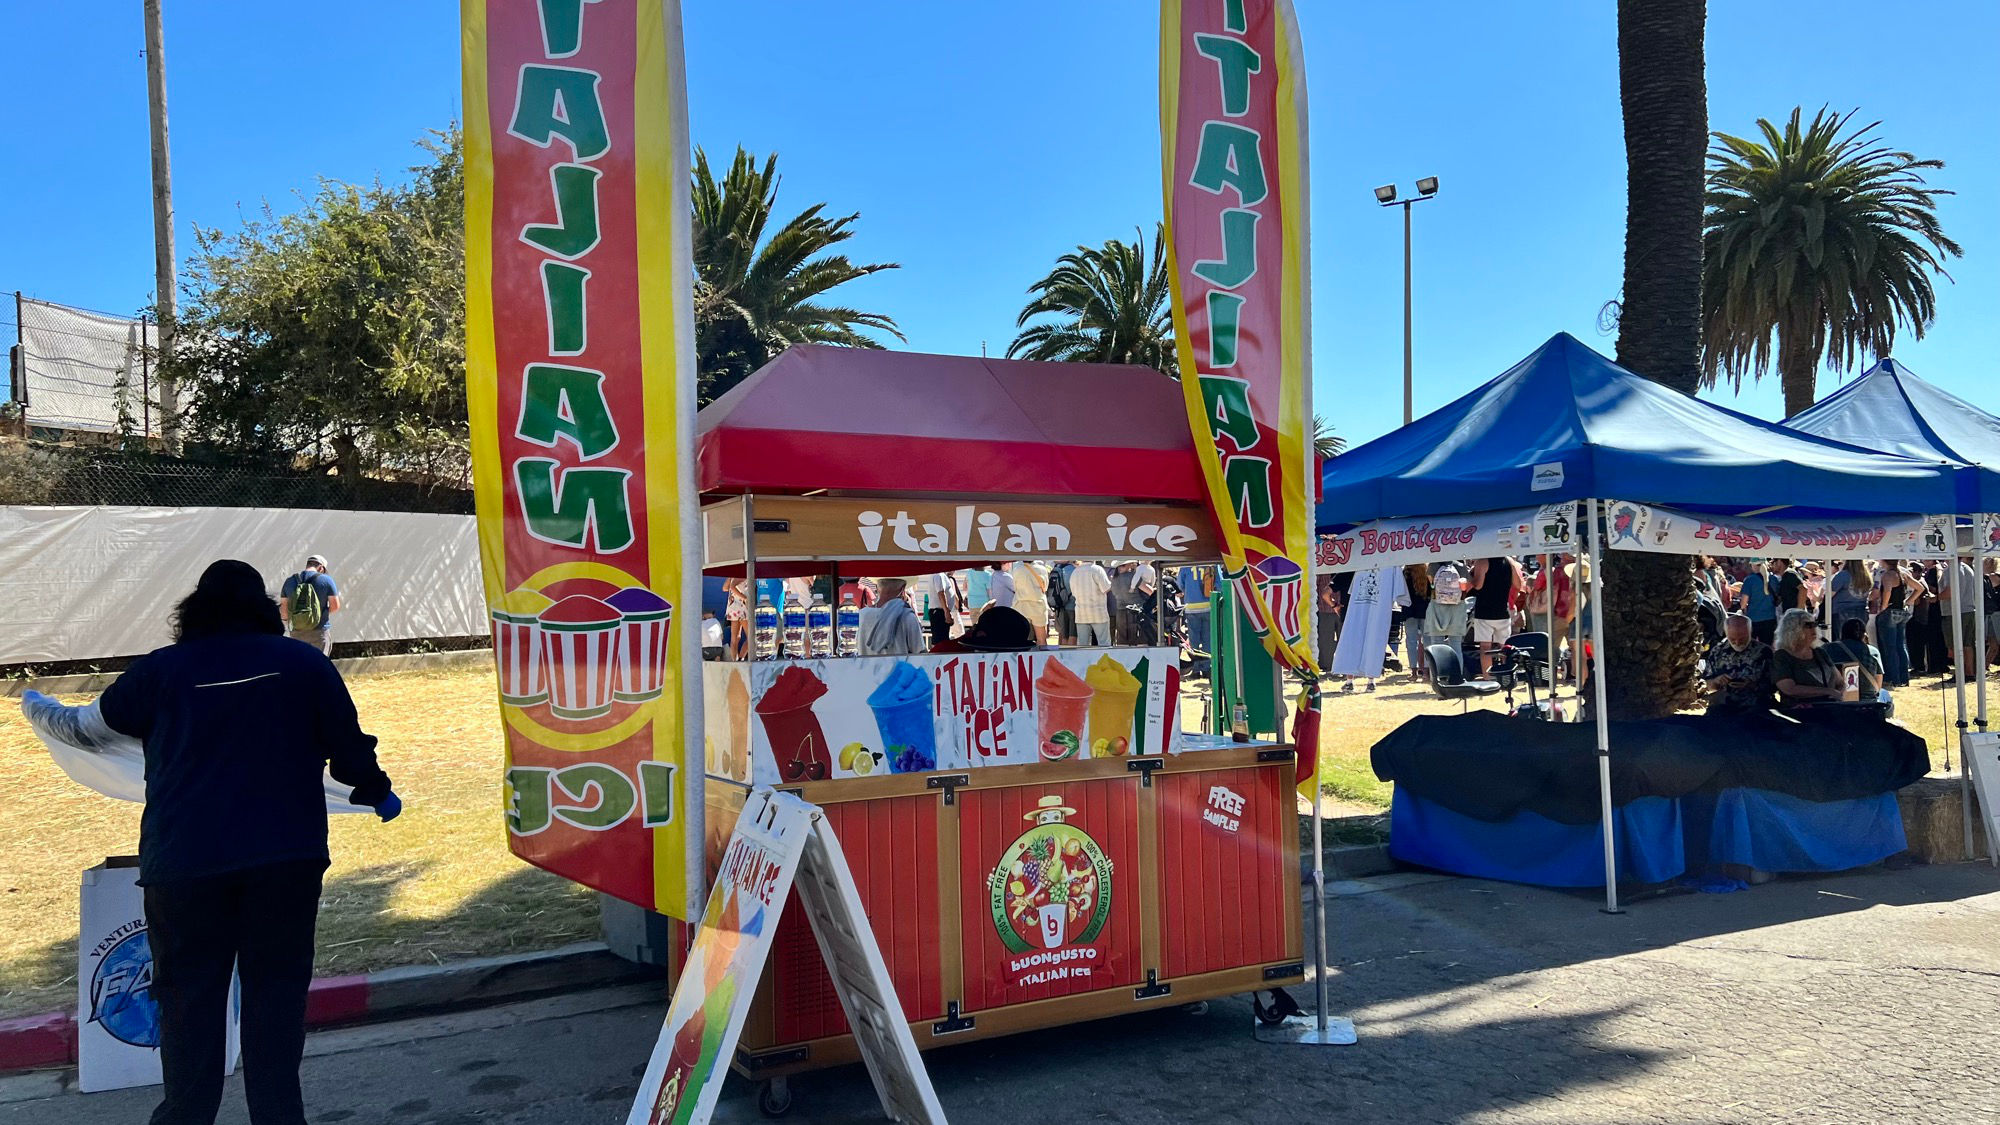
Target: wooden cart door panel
(892,848)
(1022,845)
(1228,882)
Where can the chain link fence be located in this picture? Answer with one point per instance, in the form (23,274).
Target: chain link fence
(33,472)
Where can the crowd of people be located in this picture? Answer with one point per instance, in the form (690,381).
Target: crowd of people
(1455,603)
(1081,603)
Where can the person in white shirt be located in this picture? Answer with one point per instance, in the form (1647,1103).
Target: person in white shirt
(1091,587)
(1000,587)
(1031,596)
(946,603)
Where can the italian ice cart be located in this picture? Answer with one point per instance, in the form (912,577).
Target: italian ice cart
(1035,838)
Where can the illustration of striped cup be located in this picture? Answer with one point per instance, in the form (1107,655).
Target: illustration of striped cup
(642,654)
(519,649)
(582,636)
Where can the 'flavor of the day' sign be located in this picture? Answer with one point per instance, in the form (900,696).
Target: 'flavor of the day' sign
(579,373)
(1524,531)
(783,723)
(1233,147)
(1641,527)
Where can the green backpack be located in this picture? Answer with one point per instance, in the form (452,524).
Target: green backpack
(308,611)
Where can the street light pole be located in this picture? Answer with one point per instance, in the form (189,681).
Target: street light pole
(1427,188)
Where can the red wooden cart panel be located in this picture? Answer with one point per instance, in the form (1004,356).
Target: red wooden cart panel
(1092,829)
(1224,877)
(892,849)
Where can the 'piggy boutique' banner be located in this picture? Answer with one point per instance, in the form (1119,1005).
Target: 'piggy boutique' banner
(1640,527)
(1525,531)
(1233,145)
(579,378)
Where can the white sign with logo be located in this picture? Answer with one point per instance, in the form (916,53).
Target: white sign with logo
(1547,477)
(1521,531)
(117,1019)
(1642,527)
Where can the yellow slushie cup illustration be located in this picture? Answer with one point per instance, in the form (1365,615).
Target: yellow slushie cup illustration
(1113,702)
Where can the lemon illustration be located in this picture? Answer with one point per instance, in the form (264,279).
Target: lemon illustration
(864,763)
(1100,748)
(850,753)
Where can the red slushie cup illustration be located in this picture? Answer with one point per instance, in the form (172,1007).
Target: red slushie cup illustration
(642,647)
(518,648)
(797,742)
(581,633)
(1115,701)
(1062,700)
(903,713)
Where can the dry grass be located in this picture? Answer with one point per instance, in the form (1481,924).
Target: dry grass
(435,885)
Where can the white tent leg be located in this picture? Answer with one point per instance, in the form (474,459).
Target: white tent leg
(1979,717)
(1952,582)
(1603,715)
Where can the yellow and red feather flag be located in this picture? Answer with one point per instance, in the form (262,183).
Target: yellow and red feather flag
(1233,157)
(580,389)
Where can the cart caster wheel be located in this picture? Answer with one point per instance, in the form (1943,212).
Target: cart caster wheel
(774,1097)
(1281,1007)
(1198,1008)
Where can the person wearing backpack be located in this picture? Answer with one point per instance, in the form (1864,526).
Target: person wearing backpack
(310,599)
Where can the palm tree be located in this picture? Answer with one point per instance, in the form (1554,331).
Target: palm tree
(1108,304)
(755,295)
(1822,238)
(1651,649)
(1326,444)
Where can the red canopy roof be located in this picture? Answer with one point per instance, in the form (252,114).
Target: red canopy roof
(853,420)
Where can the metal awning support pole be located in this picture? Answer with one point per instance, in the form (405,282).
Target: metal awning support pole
(1601,708)
(1953,582)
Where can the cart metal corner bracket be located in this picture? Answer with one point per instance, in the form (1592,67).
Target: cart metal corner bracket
(1145,767)
(952,1021)
(754,1061)
(1282,754)
(1154,988)
(1280,972)
(949,782)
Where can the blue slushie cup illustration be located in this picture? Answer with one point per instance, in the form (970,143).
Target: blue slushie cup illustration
(902,706)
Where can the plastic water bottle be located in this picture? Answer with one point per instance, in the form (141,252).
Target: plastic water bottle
(795,629)
(847,633)
(767,630)
(819,627)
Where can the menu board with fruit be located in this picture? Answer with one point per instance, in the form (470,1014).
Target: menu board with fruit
(782,722)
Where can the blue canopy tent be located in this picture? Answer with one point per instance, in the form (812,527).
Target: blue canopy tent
(1568,425)
(1892,410)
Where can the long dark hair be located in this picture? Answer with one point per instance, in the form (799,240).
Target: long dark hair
(229,599)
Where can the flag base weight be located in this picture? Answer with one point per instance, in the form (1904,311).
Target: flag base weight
(1338,1032)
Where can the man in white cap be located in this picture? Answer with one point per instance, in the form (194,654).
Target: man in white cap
(310,599)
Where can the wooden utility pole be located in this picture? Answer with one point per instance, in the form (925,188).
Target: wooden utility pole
(163,224)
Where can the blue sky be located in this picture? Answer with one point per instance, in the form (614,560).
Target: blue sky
(981,140)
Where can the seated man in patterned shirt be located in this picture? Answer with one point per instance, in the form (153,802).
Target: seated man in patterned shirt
(1739,670)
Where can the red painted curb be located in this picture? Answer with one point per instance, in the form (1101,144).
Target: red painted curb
(27,1042)
(336,1000)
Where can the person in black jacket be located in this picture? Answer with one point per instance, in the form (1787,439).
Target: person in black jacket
(239,725)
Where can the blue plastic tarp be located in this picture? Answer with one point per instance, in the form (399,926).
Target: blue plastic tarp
(1530,848)
(1892,410)
(1568,424)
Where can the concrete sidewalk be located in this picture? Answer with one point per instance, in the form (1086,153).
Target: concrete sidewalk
(1856,998)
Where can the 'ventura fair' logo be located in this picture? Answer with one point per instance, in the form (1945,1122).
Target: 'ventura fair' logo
(1052,887)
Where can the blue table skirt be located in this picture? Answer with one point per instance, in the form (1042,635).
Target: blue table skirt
(1530,848)
(1777,832)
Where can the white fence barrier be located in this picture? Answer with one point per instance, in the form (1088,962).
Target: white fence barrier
(86,583)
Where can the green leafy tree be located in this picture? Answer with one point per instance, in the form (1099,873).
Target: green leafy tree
(1652,643)
(1107,304)
(758,291)
(334,337)
(1819,243)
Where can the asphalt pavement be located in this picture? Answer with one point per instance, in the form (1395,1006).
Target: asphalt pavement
(1867,997)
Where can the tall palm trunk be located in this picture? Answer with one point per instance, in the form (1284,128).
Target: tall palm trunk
(1651,636)
(1798,360)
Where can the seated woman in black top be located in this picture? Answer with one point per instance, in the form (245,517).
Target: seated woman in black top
(1803,671)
